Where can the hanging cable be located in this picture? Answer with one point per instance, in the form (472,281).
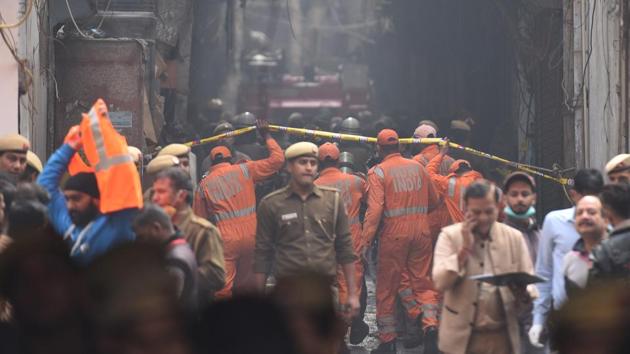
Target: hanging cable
(29,8)
(75,22)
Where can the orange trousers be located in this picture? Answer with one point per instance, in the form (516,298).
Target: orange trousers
(404,268)
(342,285)
(238,251)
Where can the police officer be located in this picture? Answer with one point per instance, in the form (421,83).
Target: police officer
(33,168)
(359,151)
(13,148)
(180,151)
(304,227)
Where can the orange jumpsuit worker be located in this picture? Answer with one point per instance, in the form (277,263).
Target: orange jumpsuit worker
(452,187)
(353,191)
(227,197)
(427,130)
(401,194)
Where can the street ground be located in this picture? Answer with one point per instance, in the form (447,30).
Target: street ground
(371,342)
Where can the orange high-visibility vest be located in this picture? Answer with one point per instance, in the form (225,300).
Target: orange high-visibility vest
(77,165)
(106,151)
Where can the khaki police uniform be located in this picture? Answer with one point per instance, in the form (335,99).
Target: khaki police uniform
(205,241)
(296,235)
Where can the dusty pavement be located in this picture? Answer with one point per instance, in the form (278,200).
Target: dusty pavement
(371,341)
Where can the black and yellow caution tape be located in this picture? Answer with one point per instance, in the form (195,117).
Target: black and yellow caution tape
(221,136)
(364,139)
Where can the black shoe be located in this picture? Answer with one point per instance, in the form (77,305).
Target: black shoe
(385,348)
(414,336)
(412,341)
(358,331)
(431,341)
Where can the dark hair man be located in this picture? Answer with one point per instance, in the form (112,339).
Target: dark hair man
(153,225)
(173,189)
(480,245)
(612,258)
(519,190)
(557,238)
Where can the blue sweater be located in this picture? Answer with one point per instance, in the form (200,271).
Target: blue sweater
(94,239)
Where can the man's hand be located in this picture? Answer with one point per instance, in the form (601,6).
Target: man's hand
(353,305)
(263,127)
(73,138)
(444,147)
(534,335)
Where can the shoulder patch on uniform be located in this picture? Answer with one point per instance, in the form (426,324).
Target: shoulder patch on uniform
(329,189)
(276,192)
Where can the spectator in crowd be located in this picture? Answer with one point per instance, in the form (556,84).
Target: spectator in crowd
(153,225)
(480,317)
(557,238)
(590,224)
(173,190)
(44,288)
(133,303)
(75,211)
(245,325)
(612,258)
(519,190)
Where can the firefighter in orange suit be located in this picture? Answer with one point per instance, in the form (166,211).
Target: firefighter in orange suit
(428,129)
(226,196)
(400,194)
(452,187)
(353,191)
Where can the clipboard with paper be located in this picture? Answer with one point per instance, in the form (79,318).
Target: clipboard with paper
(504,279)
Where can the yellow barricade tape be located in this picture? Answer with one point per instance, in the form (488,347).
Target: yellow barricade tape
(365,139)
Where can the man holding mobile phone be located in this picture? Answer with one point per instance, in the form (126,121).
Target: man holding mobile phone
(479,317)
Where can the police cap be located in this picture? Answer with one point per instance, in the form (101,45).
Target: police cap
(14,142)
(34,161)
(618,163)
(161,163)
(175,150)
(302,148)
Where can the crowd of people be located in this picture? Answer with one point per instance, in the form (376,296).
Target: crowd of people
(270,250)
